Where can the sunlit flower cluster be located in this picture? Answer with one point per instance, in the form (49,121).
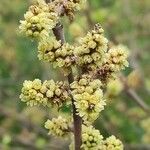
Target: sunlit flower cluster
(115,61)
(58,126)
(47,93)
(69,6)
(53,51)
(91,60)
(116,58)
(111,143)
(38,21)
(88,97)
(91,138)
(73,5)
(92,49)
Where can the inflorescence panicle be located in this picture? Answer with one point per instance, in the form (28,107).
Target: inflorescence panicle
(88,97)
(58,126)
(60,55)
(97,65)
(112,143)
(48,93)
(92,48)
(39,20)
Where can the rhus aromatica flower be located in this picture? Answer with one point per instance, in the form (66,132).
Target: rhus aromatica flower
(112,143)
(116,58)
(47,93)
(58,126)
(60,55)
(92,49)
(91,139)
(69,6)
(90,60)
(88,97)
(115,61)
(38,21)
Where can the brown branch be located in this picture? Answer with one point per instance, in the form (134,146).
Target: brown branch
(132,93)
(77,121)
(59,33)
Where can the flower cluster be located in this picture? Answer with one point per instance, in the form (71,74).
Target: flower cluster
(88,97)
(91,139)
(90,59)
(69,6)
(92,49)
(115,60)
(53,51)
(111,143)
(38,21)
(47,93)
(58,126)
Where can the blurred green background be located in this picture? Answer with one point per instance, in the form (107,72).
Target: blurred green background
(124,21)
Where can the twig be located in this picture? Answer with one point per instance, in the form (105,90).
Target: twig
(59,33)
(131,93)
(77,121)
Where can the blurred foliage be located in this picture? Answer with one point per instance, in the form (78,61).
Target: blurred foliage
(124,21)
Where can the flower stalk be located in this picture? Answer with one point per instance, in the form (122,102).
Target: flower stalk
(77,121)
(95,64)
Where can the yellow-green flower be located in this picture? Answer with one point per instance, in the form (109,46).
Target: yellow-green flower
(38,21)
(92,49)
(69,6)
(115,61)
(88,98)
(112,143)
(46,93)
(116,58)
(53,51)
(91,138)
(58,126)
